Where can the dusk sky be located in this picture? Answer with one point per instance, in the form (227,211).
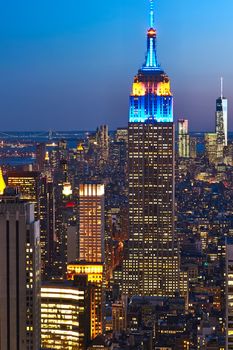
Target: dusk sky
(69,64)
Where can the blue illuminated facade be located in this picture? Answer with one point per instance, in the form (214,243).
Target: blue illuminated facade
(151,98)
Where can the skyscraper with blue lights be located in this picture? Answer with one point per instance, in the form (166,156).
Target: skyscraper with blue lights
(151,257)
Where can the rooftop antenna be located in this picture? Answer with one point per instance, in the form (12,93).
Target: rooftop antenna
(152,14)
(221,87)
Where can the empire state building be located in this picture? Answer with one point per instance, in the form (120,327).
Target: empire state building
(151,264)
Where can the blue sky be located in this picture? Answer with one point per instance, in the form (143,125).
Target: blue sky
(69,64)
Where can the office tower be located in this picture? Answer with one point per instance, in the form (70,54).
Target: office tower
(94,273)
(122,135)
(65,315)
(221,123)
(28,185)
(150,266)
(211,147)
(103,143)
(229,293)
(47,226)
(183,143)
(119,316)
(63,194)
(40,156)
(69,224)
(228,154)
(19,276)
(91,222)
(193,147)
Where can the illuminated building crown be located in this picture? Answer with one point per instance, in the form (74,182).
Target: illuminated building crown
(151,98)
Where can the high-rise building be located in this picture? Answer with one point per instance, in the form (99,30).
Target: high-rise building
(19,276)
(122,135)
(40,156)
(91,222)
(183,142)
(229,294)
(63,195)
(119,316)
(103,143)
(65,315)
(47,226)
(94,273)
(211,147)
(221,123)
(151,257)
(28,185)
(193,147)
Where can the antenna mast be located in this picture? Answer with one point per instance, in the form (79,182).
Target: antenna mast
(152,14)
(221,87)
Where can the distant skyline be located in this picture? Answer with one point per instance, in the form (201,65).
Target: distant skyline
(70,65)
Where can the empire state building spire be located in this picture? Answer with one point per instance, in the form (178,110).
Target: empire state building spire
(152,15)
(151,56)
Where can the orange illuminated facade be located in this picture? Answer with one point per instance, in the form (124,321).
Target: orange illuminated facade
(91,222)
(94,273)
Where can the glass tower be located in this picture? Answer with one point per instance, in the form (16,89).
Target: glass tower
(221,123)
(151,258)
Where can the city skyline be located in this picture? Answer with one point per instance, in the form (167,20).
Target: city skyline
(46,76)
(120,237)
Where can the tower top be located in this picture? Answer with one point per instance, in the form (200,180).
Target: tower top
(152,14)
(151,63)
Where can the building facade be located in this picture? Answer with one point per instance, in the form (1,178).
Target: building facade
(64,315)
(28,185)
(102,139)
(91,222)
(47,226)
(211,147)
(19,276)
(150,265)
(229,294)
(183,139)
(94,274)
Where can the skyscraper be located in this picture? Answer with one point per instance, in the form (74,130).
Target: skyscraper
(94,275)
(40,156)
(151,258)
(65,315)
(193,147)
(183,145)
(103,143)
(221,123)
(91,222)
(19,276)
(211,147)
(28,185)
(47,226)
(229,293)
